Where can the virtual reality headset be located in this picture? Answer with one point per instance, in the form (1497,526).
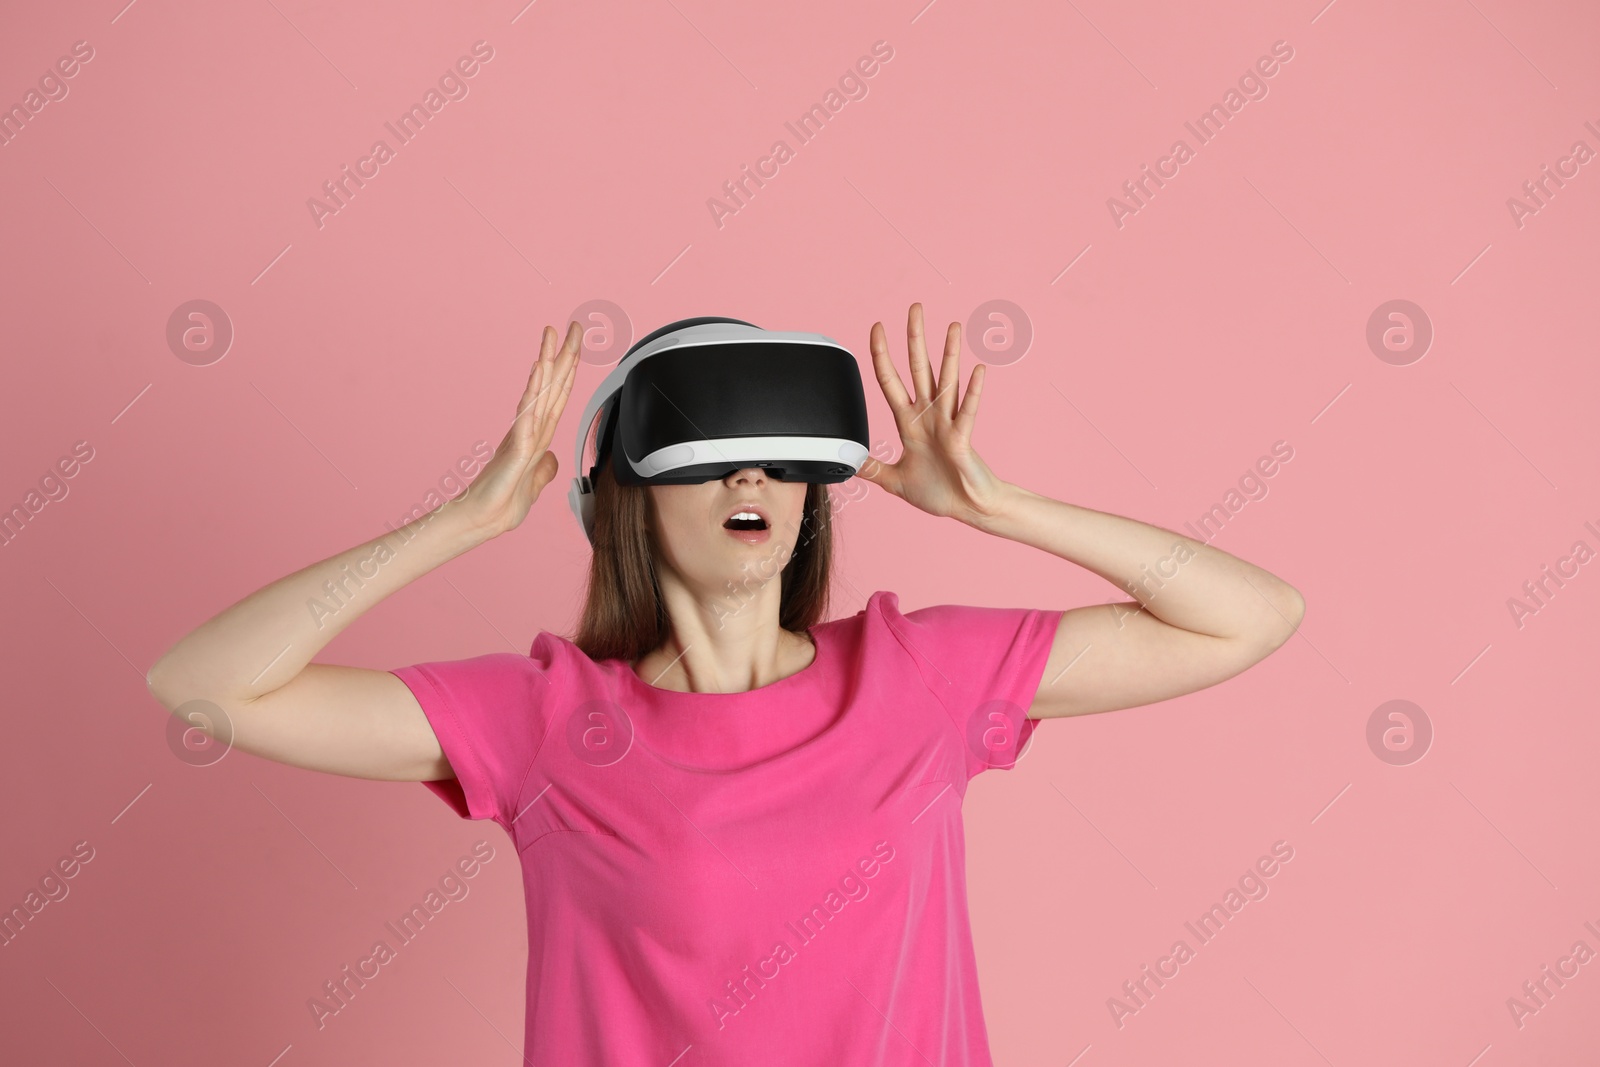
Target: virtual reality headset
(701,398)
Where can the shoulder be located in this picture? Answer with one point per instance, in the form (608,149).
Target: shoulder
(495,677)
(884,604)
(950,642)
(936,625)
(883,634)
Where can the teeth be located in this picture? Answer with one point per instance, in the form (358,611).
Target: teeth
(744,515)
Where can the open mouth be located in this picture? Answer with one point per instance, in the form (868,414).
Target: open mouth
(744,522)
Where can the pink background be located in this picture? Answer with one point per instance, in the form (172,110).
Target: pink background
(1228,314)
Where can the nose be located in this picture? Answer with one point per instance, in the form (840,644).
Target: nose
(757,475)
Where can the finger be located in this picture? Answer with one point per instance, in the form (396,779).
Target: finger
(572,343)
(558,402)
(949,371)
(530,391)
(884,475)
(894,390)
(547,360)
(571,350)
(868,471)
(525,425)
(967,418)
(543,472)
(921,374)
(557,365)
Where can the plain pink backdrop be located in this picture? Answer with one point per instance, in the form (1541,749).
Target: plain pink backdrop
(1168,355)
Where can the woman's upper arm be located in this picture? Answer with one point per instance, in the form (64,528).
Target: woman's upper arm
(1111,656)
(343,720)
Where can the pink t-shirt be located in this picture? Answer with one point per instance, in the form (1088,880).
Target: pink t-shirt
(773,876)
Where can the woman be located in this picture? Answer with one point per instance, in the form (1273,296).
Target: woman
(739,825)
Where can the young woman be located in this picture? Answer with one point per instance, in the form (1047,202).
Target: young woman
(739,825)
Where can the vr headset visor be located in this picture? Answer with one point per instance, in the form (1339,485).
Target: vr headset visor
(701,398)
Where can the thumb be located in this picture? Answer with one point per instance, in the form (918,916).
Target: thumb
(872,470)
(544,471)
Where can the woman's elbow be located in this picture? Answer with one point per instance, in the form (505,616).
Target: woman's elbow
(1289,607)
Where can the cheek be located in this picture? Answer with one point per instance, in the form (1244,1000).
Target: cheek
(799,508)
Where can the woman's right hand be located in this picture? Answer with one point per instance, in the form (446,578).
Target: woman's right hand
(499,498)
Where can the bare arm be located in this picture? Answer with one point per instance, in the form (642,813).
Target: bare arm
(253,660)
(1199,615)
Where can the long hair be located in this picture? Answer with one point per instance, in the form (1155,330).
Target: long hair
(624,614)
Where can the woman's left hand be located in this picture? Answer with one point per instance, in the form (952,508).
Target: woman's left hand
(937,471)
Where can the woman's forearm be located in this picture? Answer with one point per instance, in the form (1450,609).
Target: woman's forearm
(1181,581)
(264,640)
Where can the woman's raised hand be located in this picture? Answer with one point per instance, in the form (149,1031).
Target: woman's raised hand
(499,498)
(938,471)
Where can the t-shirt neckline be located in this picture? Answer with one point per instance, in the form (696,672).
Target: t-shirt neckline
(771,689)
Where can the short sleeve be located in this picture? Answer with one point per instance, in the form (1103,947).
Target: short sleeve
(491,715)
(984,666)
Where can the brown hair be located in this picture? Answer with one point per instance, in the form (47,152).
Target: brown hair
(624,616)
